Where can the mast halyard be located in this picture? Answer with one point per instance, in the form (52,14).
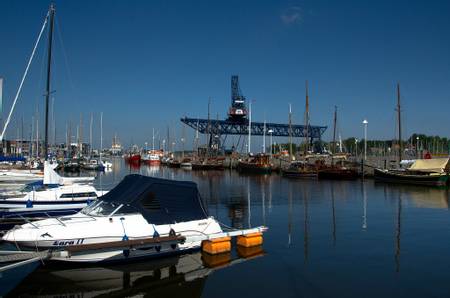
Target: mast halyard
(49,62)
(400,150)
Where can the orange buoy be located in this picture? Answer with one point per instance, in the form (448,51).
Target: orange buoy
(217,246)
(250,240)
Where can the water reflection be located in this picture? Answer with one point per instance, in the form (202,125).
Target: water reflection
(184,275)
(364,193)
(329,221)
(305,224)
(333,213)
(398,233)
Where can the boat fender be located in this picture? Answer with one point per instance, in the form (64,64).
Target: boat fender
(173,234)
(29,204)
(156,235)
(126,252)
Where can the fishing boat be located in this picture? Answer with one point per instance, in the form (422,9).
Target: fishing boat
(149,216)
(257,164)
(151,158)
(431,172)
(134,158)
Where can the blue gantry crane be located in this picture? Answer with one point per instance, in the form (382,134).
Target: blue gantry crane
(237,123)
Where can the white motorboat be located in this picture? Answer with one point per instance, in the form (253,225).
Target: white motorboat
(106,164)
(93,165)
(42,200)
(140,210)
(20,176)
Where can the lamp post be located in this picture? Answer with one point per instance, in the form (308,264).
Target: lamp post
(356,148)
(271,148)
(145,147)
(417,147)
(365,122)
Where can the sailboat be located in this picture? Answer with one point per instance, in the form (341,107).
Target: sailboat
(431,172)
(337,170)
(301,168)
(152,157)
(54,195)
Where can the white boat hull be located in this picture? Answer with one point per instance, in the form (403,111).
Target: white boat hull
(63,232)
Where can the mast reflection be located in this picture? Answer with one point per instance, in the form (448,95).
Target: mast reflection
(333,212)
(290,215)
(398,233)
(306,229)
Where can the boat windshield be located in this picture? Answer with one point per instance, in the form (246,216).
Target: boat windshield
(36,186)
(102,208)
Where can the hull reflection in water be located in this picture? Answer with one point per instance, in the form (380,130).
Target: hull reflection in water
(184,275)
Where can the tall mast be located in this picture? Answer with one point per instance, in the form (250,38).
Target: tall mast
(49,62)
(208,135)
(334,130)
(306,119)
(153,138)
(399,125)
(90,135)
(101,135)
(290,132)
(250,128)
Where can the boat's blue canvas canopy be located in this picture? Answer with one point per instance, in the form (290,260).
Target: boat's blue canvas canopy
(11,158)
(160,201)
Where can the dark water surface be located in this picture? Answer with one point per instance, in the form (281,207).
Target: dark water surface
(325,239)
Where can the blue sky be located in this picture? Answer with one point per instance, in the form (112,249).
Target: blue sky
(145,64)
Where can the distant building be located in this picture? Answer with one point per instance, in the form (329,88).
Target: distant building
(16,148)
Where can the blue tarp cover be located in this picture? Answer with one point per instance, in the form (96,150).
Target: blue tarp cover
(160,201)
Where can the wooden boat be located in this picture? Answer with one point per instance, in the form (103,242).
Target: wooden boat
(300,169)
(338,173)
(410,177)
(173,163)
(208,164)
(71,166)
(431,172)
(186,164)
(258,164)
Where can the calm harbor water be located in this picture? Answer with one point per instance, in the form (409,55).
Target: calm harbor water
(325,239)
